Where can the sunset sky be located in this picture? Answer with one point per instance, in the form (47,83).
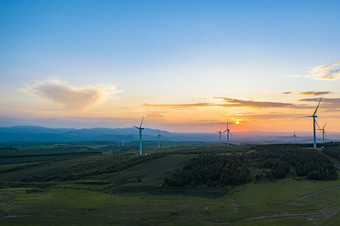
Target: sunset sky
(188,66)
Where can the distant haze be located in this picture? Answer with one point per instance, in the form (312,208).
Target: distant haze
(43,134)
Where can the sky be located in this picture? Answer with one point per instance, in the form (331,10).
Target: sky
(187,66)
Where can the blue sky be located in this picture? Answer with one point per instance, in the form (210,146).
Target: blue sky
(161,53)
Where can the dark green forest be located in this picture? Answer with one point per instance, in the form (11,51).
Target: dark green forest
(263,163)
(332,151)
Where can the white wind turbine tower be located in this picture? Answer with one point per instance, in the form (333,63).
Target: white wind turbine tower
(228,132)
(219,135)
(159,140)
(140,135)
(323,132)
(314,116)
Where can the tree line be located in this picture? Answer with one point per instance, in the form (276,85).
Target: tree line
(332,151)
(264,163)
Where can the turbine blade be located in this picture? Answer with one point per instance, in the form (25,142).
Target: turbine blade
(325,133)
(300,117)
(324,126)
(317,125)
(136,127)
(141,123)
(317,107)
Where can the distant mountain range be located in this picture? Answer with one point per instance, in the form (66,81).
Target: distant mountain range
(43,134)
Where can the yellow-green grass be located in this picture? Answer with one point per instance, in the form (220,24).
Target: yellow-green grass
(284,201)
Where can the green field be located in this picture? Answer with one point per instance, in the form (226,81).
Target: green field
(98,184)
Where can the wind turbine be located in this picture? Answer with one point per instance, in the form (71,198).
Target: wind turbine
(159,140)
(123,141)
(140,135)
(228,132)
(323,132)
(314,116)
(294,137)
(220,133)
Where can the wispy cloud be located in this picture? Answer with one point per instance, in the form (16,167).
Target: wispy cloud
(229,103)
(273,115)
(326,72)
(311,93)
(329,103)
(72,98)
(259,104)
(181,106)
(324,100)
(320,93)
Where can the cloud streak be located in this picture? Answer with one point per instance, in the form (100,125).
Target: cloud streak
(72,98)
(273,115)
(181,106)
(259,104)
(326,72)
(328,103)
(311,93)
(230,102)
(316,93)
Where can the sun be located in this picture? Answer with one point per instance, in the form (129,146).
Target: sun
(237,122)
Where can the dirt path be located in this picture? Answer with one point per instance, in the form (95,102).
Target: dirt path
(320,191)
(308,215)
(236,209)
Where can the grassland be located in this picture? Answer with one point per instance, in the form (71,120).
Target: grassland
(115,186)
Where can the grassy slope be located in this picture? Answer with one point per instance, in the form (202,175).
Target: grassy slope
(122,199)
(283,201)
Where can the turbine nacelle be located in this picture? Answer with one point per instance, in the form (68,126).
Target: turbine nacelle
(323,131)
(220,131)
(140,128)
(228,133)
(315,122)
